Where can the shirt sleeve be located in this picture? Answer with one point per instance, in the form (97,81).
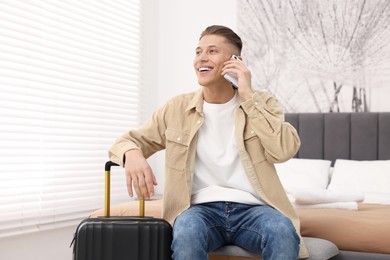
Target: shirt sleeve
(149,138)
(265,115)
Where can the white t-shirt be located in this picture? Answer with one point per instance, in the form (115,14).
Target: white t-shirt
(219,175)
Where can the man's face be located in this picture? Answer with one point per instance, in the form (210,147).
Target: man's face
(211,53)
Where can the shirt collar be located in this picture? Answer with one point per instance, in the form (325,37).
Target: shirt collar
(196,102)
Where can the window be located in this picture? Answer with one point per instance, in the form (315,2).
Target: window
(69,86)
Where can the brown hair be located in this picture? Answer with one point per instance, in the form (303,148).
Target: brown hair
(225,32)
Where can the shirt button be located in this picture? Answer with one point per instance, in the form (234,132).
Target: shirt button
(252,132)
(198,122)
(178,139)
(256,103)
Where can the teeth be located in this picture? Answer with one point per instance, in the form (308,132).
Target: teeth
(204,69)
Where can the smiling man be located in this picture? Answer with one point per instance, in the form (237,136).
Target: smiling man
(221,142)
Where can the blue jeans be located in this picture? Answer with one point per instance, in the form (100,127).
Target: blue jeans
(261,229)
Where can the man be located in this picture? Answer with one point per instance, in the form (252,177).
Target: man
(221,186)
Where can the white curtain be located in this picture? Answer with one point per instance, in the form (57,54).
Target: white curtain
(70,84)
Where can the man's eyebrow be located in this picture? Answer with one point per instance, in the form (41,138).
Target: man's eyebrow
(207,47)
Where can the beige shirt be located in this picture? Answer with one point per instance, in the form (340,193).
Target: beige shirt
(262,136)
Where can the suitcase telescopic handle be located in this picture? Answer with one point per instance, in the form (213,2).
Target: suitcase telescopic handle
(107,167)
(107,184)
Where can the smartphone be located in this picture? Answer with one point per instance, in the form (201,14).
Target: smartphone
(231,77)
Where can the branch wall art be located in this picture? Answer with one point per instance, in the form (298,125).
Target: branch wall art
(316,55)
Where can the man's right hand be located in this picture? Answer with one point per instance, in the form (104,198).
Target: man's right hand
(139,175)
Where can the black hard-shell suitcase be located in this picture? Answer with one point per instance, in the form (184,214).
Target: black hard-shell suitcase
(122,238)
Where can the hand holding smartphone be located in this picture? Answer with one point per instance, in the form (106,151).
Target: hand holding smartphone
(230,76)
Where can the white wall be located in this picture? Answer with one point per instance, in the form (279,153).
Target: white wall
(46,245)
(174,27)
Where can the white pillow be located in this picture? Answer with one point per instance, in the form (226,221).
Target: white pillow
(297,174)
(364,176)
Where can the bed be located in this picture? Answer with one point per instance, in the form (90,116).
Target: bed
(335,148)
(356,144)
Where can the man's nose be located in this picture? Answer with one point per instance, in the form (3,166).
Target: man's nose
(203,56)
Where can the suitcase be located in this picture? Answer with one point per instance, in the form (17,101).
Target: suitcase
(122,238)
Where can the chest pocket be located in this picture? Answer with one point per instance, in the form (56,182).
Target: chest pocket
(253,146)
(176,153)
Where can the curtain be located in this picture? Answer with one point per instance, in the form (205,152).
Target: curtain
(70,84)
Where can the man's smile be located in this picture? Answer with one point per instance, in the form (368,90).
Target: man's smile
(205,69)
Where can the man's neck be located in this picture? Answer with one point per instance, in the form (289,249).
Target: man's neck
(218,95)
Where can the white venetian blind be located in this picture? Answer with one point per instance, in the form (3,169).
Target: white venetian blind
(70,84)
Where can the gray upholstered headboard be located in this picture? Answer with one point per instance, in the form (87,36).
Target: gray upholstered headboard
(355,136)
